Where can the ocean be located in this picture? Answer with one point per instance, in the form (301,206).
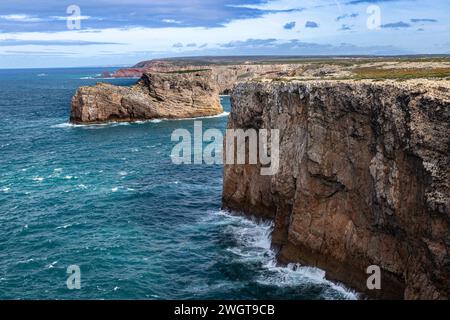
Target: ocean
(108,198)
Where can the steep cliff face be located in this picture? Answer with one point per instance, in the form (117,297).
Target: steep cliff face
(364,179)
(156,95)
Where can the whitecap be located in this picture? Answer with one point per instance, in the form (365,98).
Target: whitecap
(56,173)
(77,125)
(223,114)
(296,274)
(6,189)
(38,179)
(127,123)
(66,125)
(64,226)
(25,261)
(95,76)
(254,244)
(115,189)
(220,115)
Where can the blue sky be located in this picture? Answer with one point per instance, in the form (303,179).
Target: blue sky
(120,32)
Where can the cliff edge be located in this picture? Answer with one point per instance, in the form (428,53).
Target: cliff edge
(363,179)
(156,95)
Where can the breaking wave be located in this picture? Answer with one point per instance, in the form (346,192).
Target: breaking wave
(252,245)
(66,125)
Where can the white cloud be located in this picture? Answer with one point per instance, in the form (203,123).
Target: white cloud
(171,21)
(20,18)
(62,18)
(276,5)
(270,25)
(290,4)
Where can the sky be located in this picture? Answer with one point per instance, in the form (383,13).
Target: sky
(61,33)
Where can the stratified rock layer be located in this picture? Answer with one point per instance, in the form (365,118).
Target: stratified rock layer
(156,95)
(363,179)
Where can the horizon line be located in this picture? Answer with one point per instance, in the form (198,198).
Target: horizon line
(318,56)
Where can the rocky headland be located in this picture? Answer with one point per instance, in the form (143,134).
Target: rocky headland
(172,95)
(364,178)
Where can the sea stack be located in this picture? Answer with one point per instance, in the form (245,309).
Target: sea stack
(172,95)
(363,179)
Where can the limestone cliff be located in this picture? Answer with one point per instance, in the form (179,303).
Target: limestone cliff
(156,95)
(227,71)
(364,179)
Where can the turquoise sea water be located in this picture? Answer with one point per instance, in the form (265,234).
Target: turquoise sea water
(108,199)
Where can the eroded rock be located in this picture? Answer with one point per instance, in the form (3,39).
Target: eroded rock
(156,95)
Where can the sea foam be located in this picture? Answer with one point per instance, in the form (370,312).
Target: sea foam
(254,245)
(66,125)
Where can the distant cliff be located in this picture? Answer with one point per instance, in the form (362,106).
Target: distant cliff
(227,71)
(363,180)
(156,95)
(225,76)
